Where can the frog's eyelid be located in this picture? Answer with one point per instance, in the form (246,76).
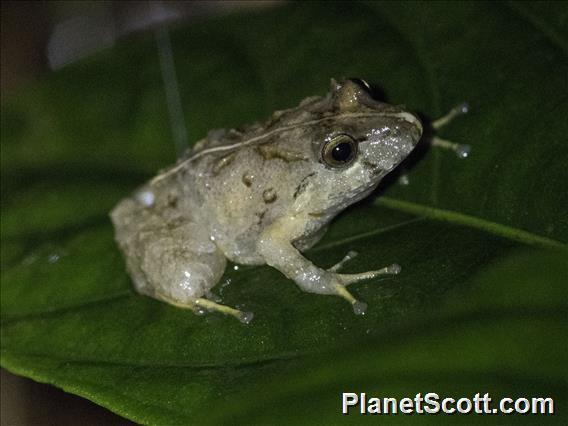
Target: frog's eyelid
(332,135)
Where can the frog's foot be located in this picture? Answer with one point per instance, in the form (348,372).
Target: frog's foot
(456,111)
(461,150)
(347,279)
(341,281)
(202,305)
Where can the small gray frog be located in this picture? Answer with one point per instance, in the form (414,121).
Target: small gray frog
(262,195)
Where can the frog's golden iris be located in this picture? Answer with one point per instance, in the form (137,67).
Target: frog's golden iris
(340,151)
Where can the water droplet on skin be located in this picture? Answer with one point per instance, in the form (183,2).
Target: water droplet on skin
(359,308)
(462,151)
(236,267)
(145,197)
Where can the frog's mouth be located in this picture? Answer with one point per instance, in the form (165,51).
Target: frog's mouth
(382,156)
(374,169)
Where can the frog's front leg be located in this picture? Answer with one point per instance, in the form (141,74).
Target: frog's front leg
(275,245)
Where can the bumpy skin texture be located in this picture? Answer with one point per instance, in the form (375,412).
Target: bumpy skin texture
(261,194)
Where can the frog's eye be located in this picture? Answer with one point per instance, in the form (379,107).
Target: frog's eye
(339,151)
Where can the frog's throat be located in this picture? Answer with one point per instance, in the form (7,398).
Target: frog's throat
(406,116)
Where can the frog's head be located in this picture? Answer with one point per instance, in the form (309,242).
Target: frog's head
(361,140)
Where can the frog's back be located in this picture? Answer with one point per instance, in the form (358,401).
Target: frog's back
(243,179)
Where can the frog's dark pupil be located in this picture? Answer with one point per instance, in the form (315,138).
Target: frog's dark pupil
(342,152)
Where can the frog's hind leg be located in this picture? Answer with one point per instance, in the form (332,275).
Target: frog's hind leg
(183,272)
(171,258)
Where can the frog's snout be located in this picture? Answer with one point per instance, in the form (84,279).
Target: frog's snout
(419,128)
(415,126)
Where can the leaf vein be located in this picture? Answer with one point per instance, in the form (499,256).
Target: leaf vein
(473,222)
(539,25)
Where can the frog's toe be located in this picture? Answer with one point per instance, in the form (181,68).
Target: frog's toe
(242,316)
(245,317)
(393,269)
(200,306)
(456,111)
(340,281)
(347,279)
(360,308)
(350,255)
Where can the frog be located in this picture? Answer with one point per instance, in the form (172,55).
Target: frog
(263,194)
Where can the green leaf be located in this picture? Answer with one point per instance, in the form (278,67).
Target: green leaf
(480,305)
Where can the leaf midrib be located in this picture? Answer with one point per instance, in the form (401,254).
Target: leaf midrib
(474,222)
(537,23)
